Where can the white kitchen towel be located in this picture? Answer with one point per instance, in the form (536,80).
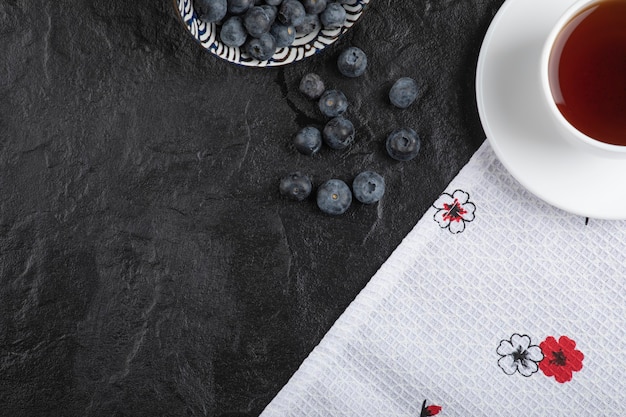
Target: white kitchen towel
(496,304)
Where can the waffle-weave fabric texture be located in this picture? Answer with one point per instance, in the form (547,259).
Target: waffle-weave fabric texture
(495,304)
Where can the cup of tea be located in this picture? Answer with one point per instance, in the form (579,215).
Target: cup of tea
(583,74)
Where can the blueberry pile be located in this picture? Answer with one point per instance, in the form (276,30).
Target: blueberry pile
(334,196)
(260,27)
(339,132)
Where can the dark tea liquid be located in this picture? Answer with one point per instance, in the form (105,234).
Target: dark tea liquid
(587,71)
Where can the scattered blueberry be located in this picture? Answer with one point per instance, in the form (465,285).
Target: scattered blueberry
(339,133)
(239,6)
(273,2)
(333,103)
(403,93)
(312,86)
(308,140)
(314,6)
(368,187)
(211,10)
(256,21)
(233,32)
(352,62)
(350,2)
(261,48)
(284,35)
(310,24)
(334,197)
(334,16)
(295,186)
(403,144)
(291,12)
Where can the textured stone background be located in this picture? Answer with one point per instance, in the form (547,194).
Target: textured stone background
(148,264)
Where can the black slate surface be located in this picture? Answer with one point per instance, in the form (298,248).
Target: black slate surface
(149,266)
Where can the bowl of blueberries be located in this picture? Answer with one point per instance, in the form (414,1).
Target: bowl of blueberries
(267,33)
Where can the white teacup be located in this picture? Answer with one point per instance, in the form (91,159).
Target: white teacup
(569,131)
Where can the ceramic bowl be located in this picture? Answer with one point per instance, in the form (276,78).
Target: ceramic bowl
(206,34)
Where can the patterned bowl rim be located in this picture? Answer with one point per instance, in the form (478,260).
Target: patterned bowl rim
(304,47)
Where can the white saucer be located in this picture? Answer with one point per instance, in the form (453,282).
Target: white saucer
(518,124)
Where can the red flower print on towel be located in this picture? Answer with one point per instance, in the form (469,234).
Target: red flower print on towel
(453,211)
(431,410)
(560,359)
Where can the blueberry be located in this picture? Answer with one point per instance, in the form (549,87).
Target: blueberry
(312,86)
(314,6)
(273,2)
(350,2)
(261,48)
(334,197)
(211,10)
(339,133)
(239,6)
(403,144)
(352,62)
(284,35)
(308,140)
(368,187)
(256,21)
(334,16)
(333,103)
(233,33)
(271,11)
(403,92)
(291,12)
(310,24)
(295,186)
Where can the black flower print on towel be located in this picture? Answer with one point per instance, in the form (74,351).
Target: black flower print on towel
(454,210)
(518,355)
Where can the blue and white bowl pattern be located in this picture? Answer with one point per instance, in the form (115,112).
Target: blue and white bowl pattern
(304,46)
